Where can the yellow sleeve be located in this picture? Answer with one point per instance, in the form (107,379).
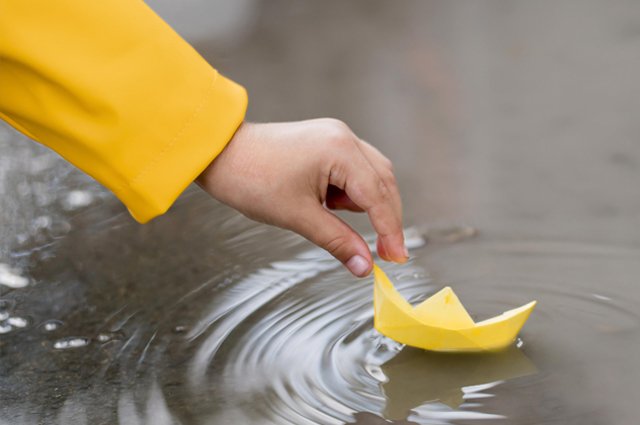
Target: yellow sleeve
(114,90)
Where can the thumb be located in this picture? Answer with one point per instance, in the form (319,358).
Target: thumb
(329,232)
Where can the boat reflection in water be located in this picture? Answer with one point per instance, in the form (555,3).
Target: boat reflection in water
(416,377)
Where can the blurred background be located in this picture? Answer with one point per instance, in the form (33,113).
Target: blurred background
(514,130)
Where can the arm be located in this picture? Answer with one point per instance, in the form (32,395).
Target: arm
(111,88)
(114,90)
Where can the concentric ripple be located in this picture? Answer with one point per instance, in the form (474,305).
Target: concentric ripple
(295,342)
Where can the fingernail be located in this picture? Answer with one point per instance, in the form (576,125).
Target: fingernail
(358,265)
(406,252)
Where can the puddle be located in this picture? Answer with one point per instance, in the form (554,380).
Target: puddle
(257,335)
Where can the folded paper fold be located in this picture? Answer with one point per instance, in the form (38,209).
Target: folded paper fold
(441,323)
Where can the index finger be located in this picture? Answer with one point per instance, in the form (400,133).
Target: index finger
(384,168)
(371,192)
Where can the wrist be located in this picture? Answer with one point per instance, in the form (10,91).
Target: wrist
(204,179)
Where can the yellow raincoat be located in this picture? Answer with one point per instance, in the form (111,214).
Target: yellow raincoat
(114,90)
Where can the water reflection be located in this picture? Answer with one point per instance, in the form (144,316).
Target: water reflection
(415,377)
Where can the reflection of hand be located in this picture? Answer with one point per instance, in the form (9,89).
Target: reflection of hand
(283,173)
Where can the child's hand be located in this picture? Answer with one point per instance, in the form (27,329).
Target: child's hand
(283,173)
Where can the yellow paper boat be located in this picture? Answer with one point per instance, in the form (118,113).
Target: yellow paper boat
(441,323)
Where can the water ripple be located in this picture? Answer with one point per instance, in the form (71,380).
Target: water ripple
(291,341)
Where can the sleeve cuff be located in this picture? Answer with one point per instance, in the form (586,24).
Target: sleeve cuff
(203,135)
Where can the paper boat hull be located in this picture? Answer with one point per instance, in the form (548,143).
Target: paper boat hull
(396,319)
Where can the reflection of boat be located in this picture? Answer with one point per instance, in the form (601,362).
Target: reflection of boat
(441,323)
(416,376)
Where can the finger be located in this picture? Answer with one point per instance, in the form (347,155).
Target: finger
(382,165)
(326,230)
(368,190)
(337,199)
(384,168)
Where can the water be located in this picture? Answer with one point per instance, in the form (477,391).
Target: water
(284,336)
(516,149)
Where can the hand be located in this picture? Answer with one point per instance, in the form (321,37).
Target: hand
(285,173)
